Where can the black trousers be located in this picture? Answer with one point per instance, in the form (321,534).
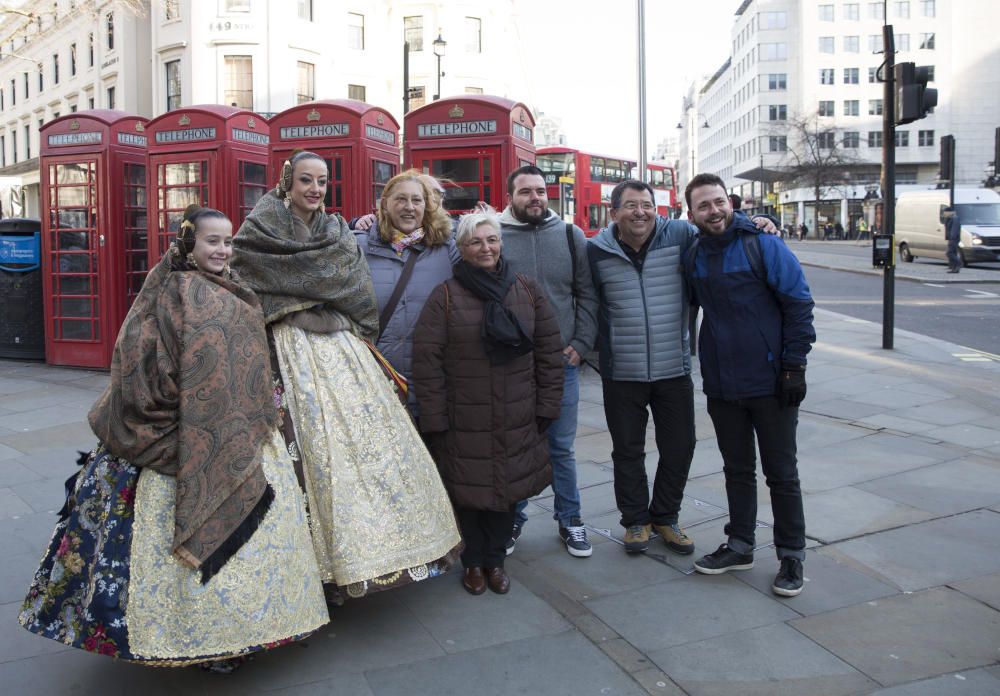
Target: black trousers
(736,423)
(485,533)
(626,408)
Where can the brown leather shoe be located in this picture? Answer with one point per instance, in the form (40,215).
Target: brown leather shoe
(474,582)
(498,580)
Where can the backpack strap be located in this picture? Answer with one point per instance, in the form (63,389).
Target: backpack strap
(687,262)
(751,245)
(397,292)
(524,284)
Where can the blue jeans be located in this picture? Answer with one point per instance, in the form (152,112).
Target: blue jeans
(562,434)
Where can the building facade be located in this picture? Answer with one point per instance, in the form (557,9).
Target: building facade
(153,56)
(812,66)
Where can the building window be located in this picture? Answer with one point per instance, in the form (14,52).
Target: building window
(413,32)
(826,108)
(27,141)
(72,108)
(824,141)
(777,81)
(902,8)
(772,20)
(927,41)
(41,78)
(925,138)
(852,139)
(777,143)
(473,90)
(13,92)
(13,146)
(777,112)
(851,76)
(110,22)
(473,35)
(111,97)
(927,8)
(306,10)
(239,82)
(90,102)
(773,51)
(1,100)
(852,44)
(357,92)
(91,44)
(825,13)
(876,10)
(3,151)
(874,107)
(55,69)
(851,107)
(902,42)
(826,44)
(173,69)
(852,11)
(171,9)
(27,90)
(875,43)
(826,76)
(418,97)
(902,138)
(873,75)
(72,60)
(307,83)
(356,31)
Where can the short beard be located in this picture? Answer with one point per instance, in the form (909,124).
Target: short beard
(522,215)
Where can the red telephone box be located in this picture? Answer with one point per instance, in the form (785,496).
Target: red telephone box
(93,183)
(358,141)
(212,155)
(474,141)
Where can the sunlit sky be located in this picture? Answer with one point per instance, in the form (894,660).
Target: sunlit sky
(588,72)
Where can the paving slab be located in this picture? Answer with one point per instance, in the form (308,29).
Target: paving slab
(843,408)
(341,685)
(976,682)
(943,489)
(985,588)
(460,621)
(690,609)
(11,505)
(909,637)
(967,435)
(930,553)
(772,660)
(45,495)
(16,643)
(12,472)
(830,583)
(76,435)
(847,512)
(561,665)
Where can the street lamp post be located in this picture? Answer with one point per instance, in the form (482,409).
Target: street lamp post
(439,46)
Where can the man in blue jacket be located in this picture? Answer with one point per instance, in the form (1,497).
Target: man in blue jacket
(756,332)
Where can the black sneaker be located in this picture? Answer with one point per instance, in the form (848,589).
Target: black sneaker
(515,534)
(788,581)
(723,559)
(575,536)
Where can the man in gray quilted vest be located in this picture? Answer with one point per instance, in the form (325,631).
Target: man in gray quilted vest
(645,361)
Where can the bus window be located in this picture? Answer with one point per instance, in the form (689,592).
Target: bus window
(614,170)
(556,165)
(592,220)
(597,169)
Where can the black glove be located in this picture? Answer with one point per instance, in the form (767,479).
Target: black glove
(791,385)
(543,424)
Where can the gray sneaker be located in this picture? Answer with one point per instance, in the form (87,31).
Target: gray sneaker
(788,581)
(722,560)
(575,536)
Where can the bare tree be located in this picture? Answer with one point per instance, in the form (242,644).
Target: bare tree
(815,156)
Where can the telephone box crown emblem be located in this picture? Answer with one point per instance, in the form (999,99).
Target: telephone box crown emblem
(185,120)
(74,125)
(380,119)
(251,123)
(139,127)
(312,115)
(456,112)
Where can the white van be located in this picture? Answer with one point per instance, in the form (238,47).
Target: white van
(920,229)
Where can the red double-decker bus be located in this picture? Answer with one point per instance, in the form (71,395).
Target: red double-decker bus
(663,179)
(579,184)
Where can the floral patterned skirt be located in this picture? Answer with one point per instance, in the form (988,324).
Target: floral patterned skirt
(379,514)
(109,583)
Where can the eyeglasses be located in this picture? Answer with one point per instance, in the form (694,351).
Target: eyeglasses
(479,243)
(632,206)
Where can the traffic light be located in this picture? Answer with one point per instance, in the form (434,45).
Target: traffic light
(914,99)
(947,171)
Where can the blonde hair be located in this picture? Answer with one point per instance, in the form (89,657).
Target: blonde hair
(436,223)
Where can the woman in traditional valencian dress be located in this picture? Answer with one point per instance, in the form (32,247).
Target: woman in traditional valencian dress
(379,514)
(184,538)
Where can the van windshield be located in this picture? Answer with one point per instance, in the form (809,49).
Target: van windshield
(979,213)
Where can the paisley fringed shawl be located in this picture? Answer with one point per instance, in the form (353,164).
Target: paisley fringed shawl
(290,275)
(190,396)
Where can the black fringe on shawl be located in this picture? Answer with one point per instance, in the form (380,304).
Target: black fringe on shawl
(213,564)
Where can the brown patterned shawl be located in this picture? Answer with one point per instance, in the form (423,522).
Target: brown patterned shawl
(190,396)
(290,275)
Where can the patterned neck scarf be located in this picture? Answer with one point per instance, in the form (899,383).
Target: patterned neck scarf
(401,241)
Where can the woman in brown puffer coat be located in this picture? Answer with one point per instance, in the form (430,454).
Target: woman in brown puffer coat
(487,374)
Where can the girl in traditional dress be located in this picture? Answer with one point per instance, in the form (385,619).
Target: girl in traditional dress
(184,538)
(379,514)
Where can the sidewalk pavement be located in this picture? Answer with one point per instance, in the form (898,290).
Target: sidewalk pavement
(900,467)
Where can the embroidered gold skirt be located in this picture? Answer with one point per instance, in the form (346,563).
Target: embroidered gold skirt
(377,506)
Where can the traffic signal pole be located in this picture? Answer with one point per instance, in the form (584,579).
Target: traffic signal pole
(889,184)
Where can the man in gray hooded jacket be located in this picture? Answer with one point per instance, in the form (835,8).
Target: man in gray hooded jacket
(537,243)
